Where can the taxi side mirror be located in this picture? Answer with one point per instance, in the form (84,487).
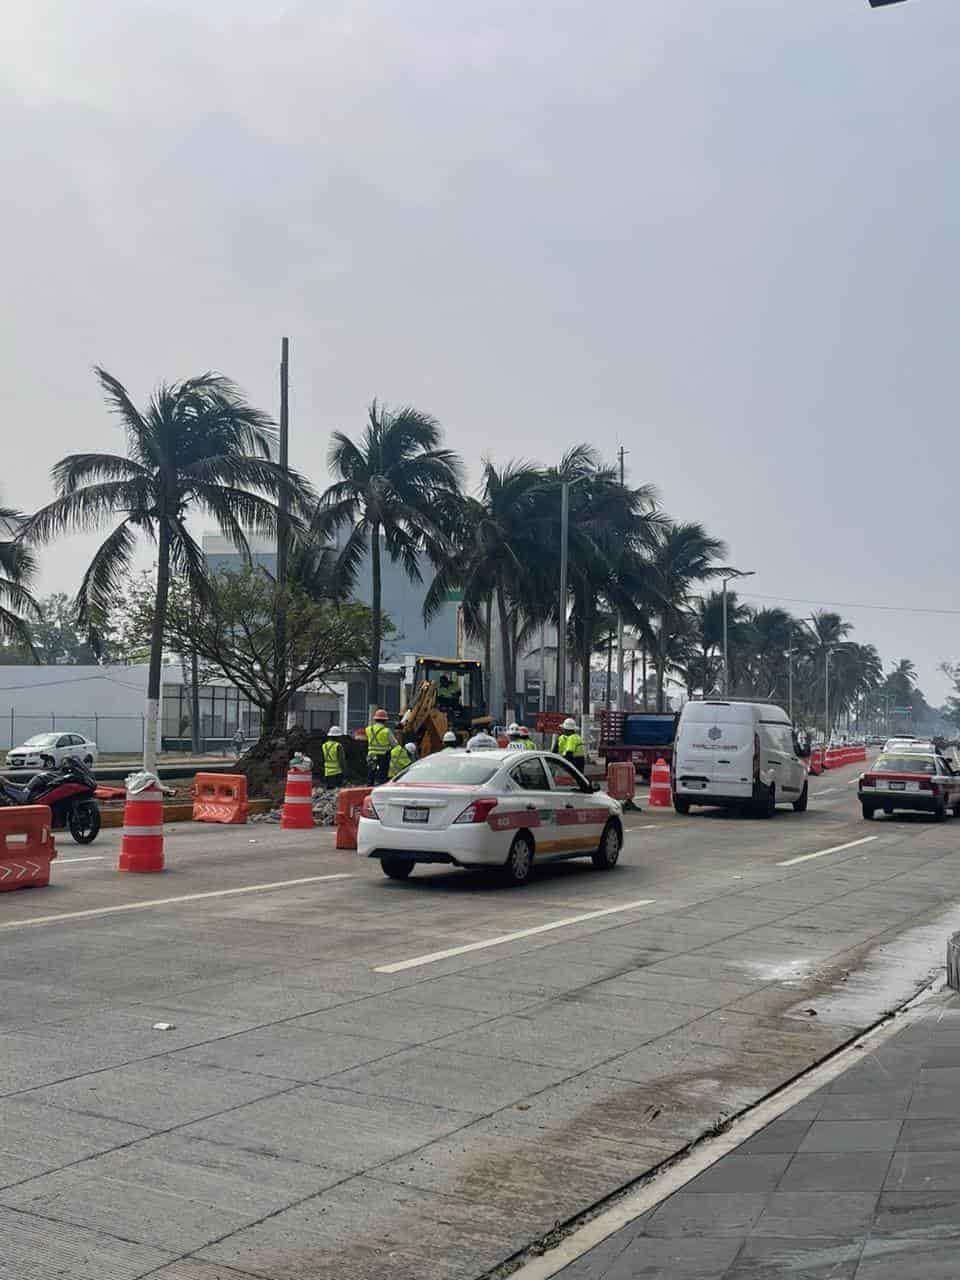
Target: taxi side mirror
(594,787)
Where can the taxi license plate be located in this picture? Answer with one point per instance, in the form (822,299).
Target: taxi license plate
(897,786)
(416,815)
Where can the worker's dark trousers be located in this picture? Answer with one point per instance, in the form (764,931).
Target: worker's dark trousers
(332,781)
(377,768)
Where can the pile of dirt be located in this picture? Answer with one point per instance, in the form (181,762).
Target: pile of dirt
(265,764)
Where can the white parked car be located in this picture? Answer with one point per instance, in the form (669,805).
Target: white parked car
(492,808)
(48,750)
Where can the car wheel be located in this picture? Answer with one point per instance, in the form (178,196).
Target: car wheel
(868,811)
(888,810)
(47,762)
(84,822)
(765,805)
(88,761)
(396,868)
(519,861)
(611,842)
(681,804)
(800,806)
(940,813)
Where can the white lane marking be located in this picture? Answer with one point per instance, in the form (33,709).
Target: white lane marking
(708,1150)
(822,853)
(825,791)
(65,862)
(433,956)
(164,902)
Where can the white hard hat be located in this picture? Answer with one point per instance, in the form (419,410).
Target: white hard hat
(524,731)
(411,749)
(570,725)
(513,728)
(449,736)
(334,731)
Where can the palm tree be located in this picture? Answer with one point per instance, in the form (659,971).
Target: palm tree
(772,633)
(17,567)
(684,555)
(497,558)
(197,445)
(396,484)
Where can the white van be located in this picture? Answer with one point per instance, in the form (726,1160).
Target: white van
(729,752)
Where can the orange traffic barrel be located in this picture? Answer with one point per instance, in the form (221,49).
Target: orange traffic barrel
(141,846)
(659,797)
(297,814)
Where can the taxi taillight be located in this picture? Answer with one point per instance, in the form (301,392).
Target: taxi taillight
(368,809)
(476,811)
(868,780)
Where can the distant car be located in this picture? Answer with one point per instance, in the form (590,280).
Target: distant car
(496,809)
(48,750)
(925,783)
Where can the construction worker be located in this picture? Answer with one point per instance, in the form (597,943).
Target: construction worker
(449,740)
(380,741)
(399,759)
(526,741)
(331,752)
(481,741)
(570,745)
(513,738)
(448,690)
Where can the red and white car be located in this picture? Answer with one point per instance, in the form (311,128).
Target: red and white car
(495,808)
(922,782)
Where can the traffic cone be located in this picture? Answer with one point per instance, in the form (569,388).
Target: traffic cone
(659,797)
(141,846)
(297,812)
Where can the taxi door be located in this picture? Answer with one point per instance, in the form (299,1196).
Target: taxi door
(580,813)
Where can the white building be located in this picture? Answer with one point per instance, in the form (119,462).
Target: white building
(105,704)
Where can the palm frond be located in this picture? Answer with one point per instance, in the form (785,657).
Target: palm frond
(105,575)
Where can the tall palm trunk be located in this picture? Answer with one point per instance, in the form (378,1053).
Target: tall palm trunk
(643,674)
(507,657)
(156,647)
(487,647)
(195,734)
(376,609)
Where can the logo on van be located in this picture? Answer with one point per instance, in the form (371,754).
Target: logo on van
(715,733)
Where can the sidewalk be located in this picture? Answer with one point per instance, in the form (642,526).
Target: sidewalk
(860,1180)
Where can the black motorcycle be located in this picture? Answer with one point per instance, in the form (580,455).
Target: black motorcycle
(70,791)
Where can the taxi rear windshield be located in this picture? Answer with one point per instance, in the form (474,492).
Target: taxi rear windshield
(905,764)
(446,769)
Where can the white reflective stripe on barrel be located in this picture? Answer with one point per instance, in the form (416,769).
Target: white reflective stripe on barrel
(143,831)
(298,800)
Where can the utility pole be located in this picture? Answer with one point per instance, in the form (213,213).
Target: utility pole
(283,546)
(562,615)
(621,453)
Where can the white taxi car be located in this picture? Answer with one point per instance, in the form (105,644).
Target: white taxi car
(493,808)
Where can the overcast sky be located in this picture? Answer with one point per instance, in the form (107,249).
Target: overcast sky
(720,232)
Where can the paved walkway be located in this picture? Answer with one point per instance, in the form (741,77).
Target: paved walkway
(860,1181)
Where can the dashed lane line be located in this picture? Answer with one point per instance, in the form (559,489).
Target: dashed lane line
(66,862)
(166,902)
(432,957)
(822,853)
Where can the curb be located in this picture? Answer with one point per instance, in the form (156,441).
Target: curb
(177,812)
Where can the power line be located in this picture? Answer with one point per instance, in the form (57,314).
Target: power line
(847,604)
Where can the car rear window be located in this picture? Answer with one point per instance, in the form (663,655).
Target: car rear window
(905,764)
(446,769)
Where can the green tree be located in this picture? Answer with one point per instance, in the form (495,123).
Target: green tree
(17,569)
(397,484)
(237,637)
(197,446)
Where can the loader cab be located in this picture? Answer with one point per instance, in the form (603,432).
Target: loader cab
(459,686)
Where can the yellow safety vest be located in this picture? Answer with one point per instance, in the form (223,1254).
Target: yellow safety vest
(562,745)
(378,739)
(331,752)
(573,745)
(399,759)
(528,744)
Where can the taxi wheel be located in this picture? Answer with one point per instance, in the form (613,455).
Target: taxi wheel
(940,813)
(800,806)
(519,863)
(611,842)
(396,868)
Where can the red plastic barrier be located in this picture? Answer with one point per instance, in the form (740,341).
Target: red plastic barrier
(815,762)
(221,797)
(349,803)
(111,793)
(26,847)
(621,780)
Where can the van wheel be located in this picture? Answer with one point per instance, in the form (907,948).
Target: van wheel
(868,811)
(396,868)
(940,812)
(606,855)
(765,805)
(681,804)
(519,861)
(800,806)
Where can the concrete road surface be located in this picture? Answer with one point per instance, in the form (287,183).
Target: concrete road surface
(370,1078)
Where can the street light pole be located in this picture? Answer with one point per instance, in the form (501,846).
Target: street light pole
(790,675)
(826,696)
(747,573)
